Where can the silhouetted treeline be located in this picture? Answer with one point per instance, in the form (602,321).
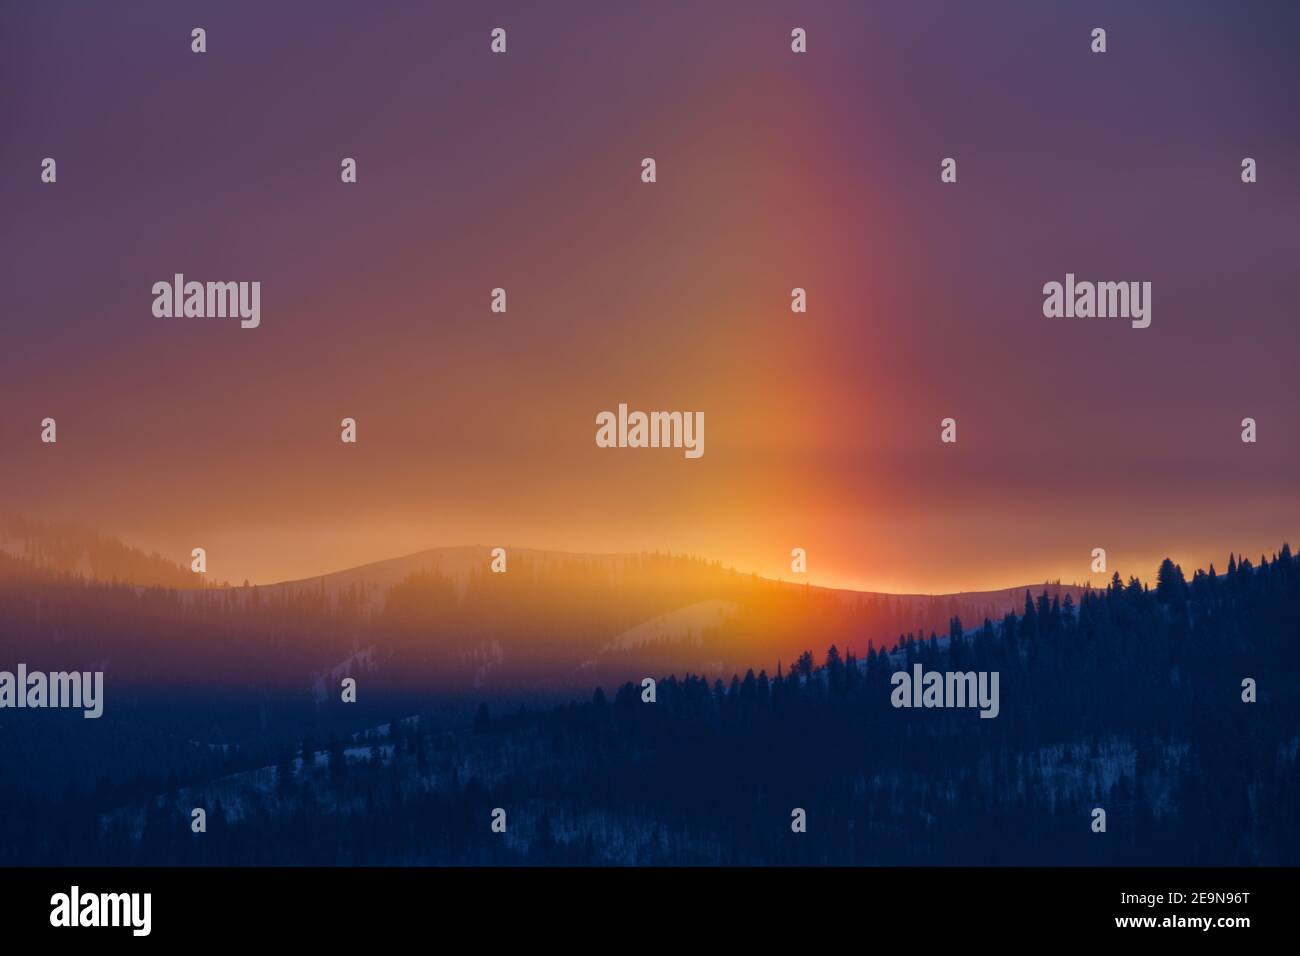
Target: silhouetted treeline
(558,625)
(77,551)
(1130,701)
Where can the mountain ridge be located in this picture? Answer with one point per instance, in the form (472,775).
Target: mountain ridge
(428,559)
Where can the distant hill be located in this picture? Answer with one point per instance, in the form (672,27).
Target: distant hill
(371,582)
(574,618)
(441,620)
(458,564)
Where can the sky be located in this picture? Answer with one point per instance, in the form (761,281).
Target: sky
(774,170)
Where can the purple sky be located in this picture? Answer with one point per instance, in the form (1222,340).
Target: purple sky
(775,171)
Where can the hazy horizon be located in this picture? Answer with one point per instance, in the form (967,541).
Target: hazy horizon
(1131,567)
